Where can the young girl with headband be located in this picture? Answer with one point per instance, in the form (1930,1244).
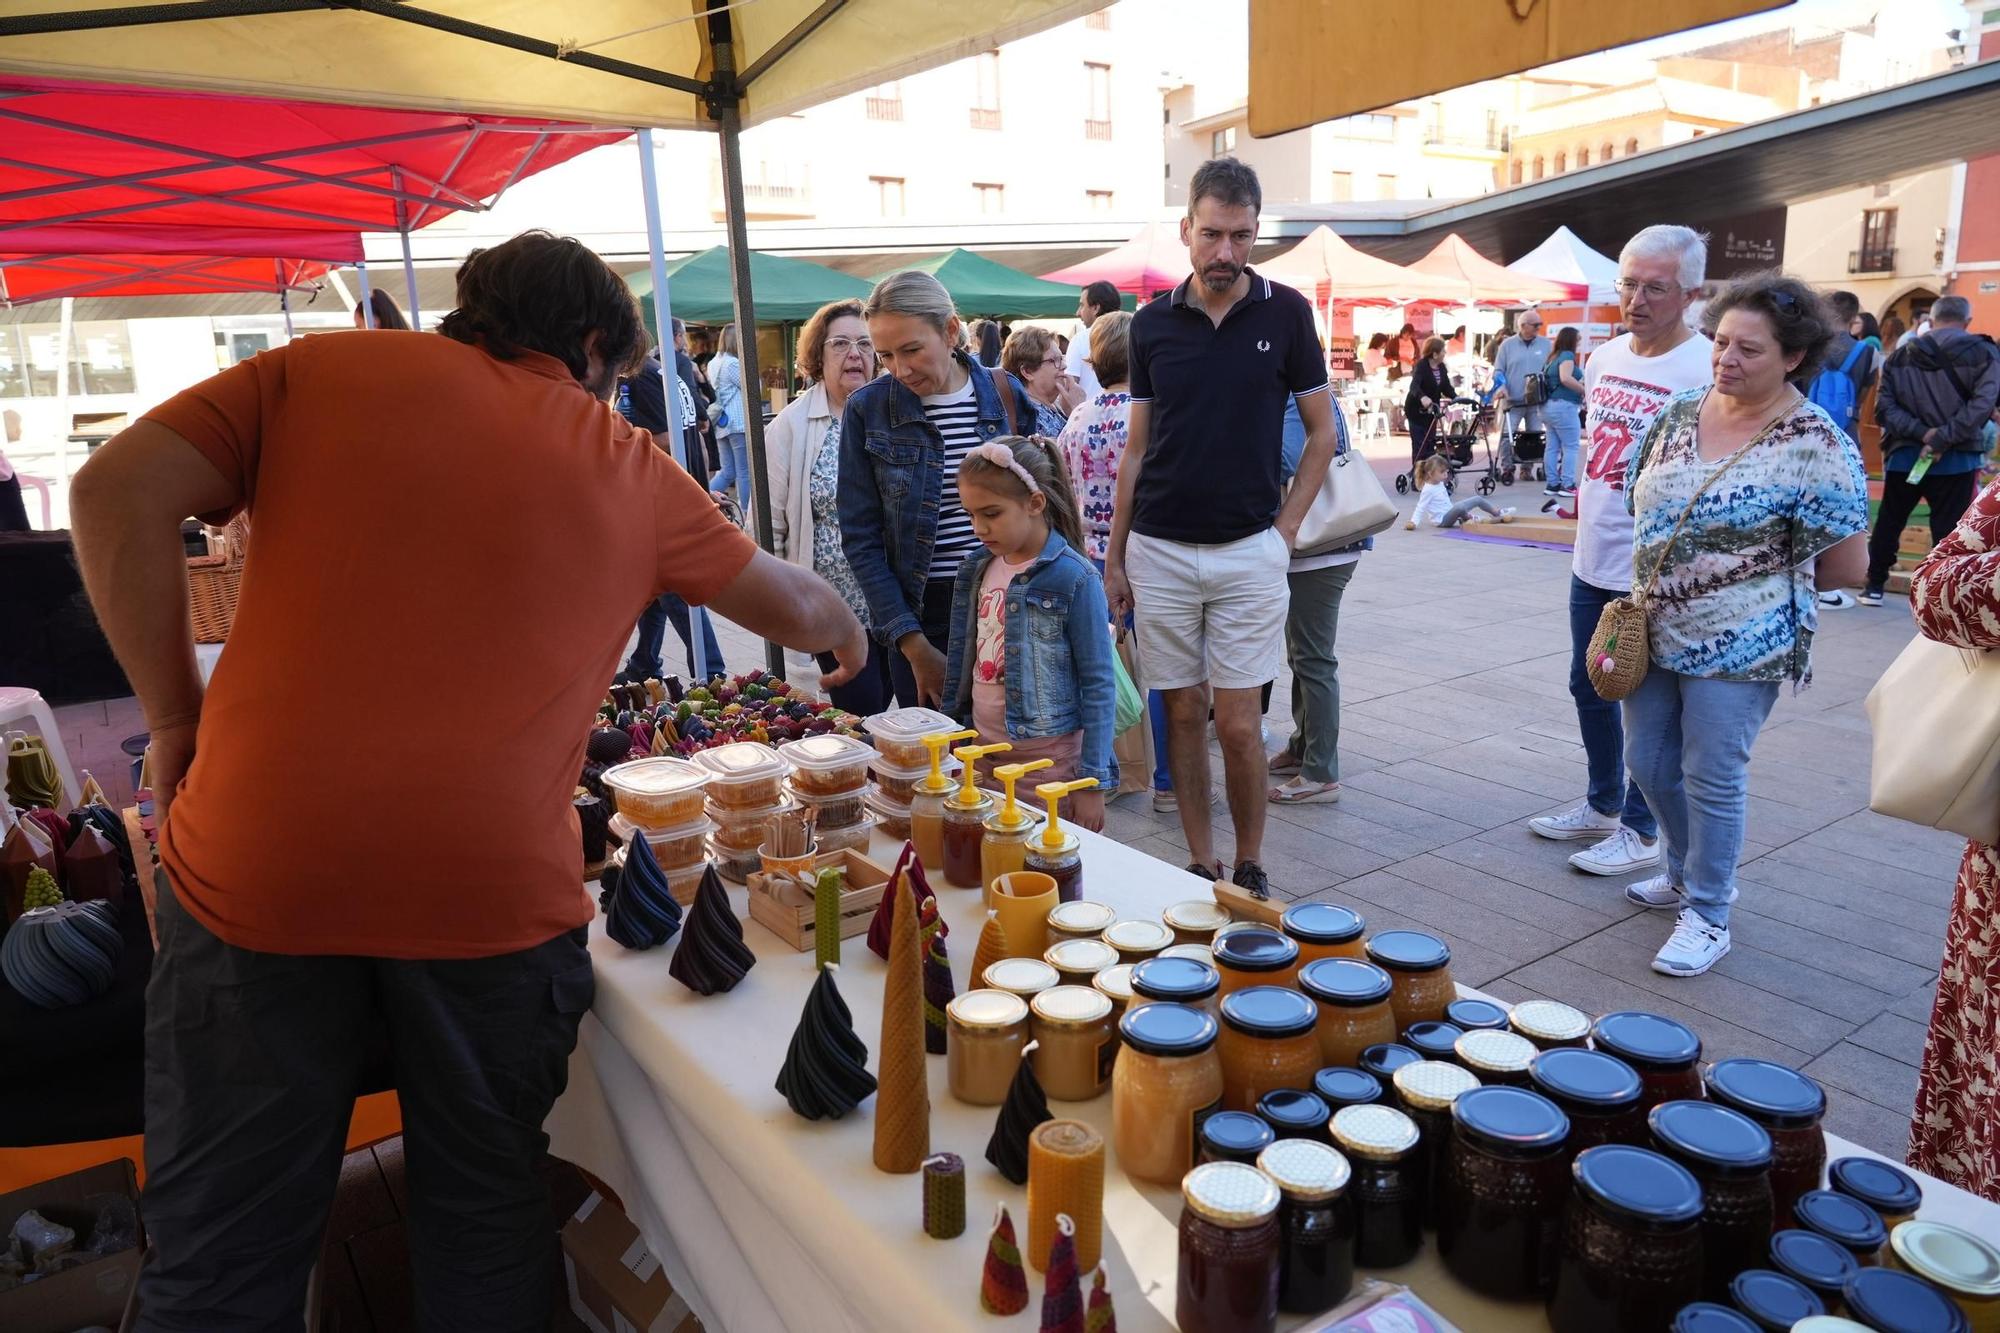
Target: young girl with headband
(1030,658)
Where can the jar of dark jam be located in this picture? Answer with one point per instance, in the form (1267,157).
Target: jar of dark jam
(1500,1208)
(1667,1054)
(1598,1092)
(1229,1247)
(1847,1221)
(1789,1106)
(1550,1024)
(1821,1265)
(1708,1317)
(1388,1206)
(1433,1040)
(964,832)
(1891,1192)
(1343,1085)
(1631,1248)
(1293,1113)
(1234,1136)
(1497,1057)
(1773,1301)
(1469,1015)
(1426,1090)
(1731,1156)
(1383,1060)
(1420,966)
(1315,1224)
(1892,1301)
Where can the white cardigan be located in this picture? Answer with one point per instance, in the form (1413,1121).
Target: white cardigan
(791,444)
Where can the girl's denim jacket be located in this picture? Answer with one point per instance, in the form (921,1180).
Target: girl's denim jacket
(1059,673)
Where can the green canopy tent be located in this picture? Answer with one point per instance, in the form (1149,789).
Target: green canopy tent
(981,286)
(787,290)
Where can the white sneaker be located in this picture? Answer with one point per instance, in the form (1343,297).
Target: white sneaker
(1579,821)
(1657,892)
(1693,948)
(1620,854)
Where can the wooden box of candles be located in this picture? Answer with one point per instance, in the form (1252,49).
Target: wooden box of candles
(783,904)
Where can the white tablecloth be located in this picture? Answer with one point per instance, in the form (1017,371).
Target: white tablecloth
(766,1221)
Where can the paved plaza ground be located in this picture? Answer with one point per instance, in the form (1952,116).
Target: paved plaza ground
(1457,726)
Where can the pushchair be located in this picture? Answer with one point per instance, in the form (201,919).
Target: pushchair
(1461,428)
(1530,446)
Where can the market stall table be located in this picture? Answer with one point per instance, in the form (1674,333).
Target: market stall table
(765,1221)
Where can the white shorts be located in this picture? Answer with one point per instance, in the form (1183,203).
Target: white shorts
(1209,614)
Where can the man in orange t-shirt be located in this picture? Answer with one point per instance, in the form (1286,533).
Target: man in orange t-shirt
(353,841)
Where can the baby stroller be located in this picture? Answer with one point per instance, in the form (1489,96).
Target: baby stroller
(1530,446)
(1462,427)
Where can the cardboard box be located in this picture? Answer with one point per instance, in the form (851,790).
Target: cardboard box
(93,1293)
(615,1282)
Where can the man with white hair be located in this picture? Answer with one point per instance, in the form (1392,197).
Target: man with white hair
(1517,365)
(1626,384)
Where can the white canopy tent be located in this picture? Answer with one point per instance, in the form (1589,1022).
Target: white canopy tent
(1563,257)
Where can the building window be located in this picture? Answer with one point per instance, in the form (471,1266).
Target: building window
(1097,201)
(1385,187)
(1878,243)
(1604,153)
(991,199)
(1222,141)
(1343,186)
(1514,172)
(1539,173)
(100,359)
(885,101)
(888,195)
(1100,21)
(1583,157)
(1631,147)
(1562,163)
(1097,112)
(986,103)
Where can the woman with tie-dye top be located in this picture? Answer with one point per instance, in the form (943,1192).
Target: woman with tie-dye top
(1094,440)
(1776,507)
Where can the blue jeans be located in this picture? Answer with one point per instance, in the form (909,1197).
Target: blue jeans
(668,607)
(1565,436)
(1597,717)
(1688,743)
(735,469)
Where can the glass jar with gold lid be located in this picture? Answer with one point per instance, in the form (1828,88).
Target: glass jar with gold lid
(1964,1266)
(985,1031)
(1196,920)
(1201,953)
(1229,1250)
(1072,1028)
(1420,965)
(1388,1203)
(1137,940)
(1315,1224)
(1115,984)
(1077,961)
(1354,1010)
(1496,1057)
(1550,1023)
(1267,1042)
(1165,1082)
(1079,920)
(1025,977)
(1427,1089)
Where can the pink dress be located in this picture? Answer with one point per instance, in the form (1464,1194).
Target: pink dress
(1955,1131)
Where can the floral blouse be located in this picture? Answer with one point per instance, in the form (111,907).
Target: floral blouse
(1732,602)
(823,491)
(1092,444)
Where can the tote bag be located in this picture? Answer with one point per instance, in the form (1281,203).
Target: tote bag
(1351,505)
(1936,720)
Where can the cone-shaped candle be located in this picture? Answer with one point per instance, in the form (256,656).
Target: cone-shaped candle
(1003,1285)
(1062,1293)
(107,821)
(711,956)
(643,912)
(992,947)
(93,794)
(825,1074)
(1098,1316)
(944,1196)
(903,1104)
(1025,1108)
(91,867)
(938,990)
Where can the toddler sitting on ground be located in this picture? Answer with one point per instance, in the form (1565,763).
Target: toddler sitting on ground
(1434,501)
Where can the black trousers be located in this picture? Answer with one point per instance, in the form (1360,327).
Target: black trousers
(252,1064)
(873,690)
(935,614)
(1948,497)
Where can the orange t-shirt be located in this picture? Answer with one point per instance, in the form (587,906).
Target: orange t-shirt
(448,554)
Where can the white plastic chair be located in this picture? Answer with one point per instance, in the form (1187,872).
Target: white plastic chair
(20,704)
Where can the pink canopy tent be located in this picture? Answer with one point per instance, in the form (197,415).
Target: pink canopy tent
(1330,271)
(1476,280)
(1152,261)
(107,259)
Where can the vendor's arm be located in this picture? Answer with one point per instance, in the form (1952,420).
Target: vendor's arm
(790,605)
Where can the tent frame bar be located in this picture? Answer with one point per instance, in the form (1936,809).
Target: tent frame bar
(805,28)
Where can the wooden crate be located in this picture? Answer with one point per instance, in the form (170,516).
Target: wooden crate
(783,907)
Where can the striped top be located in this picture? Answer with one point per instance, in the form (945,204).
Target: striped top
(956,417)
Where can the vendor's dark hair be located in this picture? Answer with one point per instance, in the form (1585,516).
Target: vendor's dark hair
(540,292)
(1798,316)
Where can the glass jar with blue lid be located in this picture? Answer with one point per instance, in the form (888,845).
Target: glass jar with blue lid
(1253,955)
(1631,1242)
(1324,930)
(1385,1058)
(1420,965)
(1821,1264)
(1850,1222)
(1165,1081)
(1267,1042)
(1708,1317)
(1344,1085)
(1891,1301)
(1433,1040)
(1354,1011)
(1598,1092)
(1177,981)
(1470,1015)
(1730,1155)
(1295,1113)
(1504,1187)
(1889,1190)
(1772,1300)
(1789,1106)
(1234,1136)
(1666,1053)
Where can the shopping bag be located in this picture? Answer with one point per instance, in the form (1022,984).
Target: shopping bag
(1935,714)
(1131,704)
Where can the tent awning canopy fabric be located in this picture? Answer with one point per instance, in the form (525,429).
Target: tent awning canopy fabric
(159,166)
(786,290)
(1328,269)
(1154,260)
(1563,257)
(40,277)
(1477,280)
(981,286)
(606,62)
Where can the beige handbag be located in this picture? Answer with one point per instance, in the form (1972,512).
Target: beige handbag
(1935,715)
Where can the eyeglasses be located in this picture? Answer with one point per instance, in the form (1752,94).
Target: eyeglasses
(1055,361)
(1654,291)
(840,347)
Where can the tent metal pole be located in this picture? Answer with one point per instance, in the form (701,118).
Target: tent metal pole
(663,332)
(284,297)
(367,295)
(409,264)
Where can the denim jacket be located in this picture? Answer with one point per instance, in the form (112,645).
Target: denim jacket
(892,484)
(728,378)
(1059,674)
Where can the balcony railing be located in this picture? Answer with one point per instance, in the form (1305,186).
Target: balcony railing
(1097,129)
(985,118)
(885,108)
(1492,141)
(1871,261)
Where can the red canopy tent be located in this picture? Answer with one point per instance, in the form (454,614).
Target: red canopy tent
(25,278)
(1152,261)
(1476,280)
(1330,271)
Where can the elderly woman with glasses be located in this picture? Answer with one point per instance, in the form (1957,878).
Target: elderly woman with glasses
(1033,357)
(803,444)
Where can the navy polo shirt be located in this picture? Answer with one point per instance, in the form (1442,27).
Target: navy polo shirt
(1214,457)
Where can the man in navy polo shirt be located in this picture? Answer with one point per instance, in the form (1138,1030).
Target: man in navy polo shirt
(1202,535)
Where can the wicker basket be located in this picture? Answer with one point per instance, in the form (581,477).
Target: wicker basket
(213,580)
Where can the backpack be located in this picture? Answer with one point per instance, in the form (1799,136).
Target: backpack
(1833,390)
